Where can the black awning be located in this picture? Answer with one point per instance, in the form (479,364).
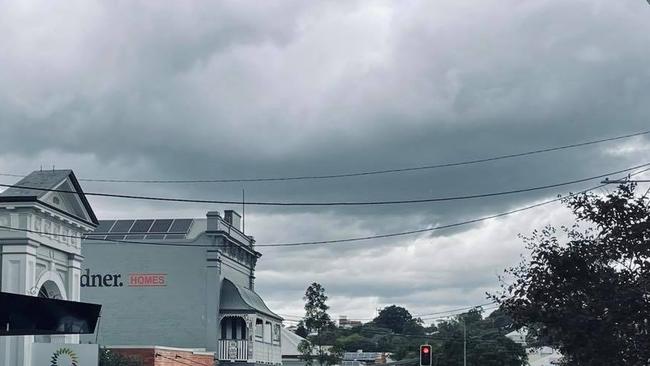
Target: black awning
(29,315)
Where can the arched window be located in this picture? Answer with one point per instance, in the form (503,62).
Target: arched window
(49,290)
(233,327)
(268,331)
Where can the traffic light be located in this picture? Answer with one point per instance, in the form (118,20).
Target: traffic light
(425,355)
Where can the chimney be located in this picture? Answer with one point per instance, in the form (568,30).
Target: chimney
(233,219)
(213,220)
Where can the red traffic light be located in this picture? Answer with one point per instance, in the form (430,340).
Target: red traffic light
(425,355)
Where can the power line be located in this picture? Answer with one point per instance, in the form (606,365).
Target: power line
(436,228)
(340,203)
(345,240)
(412,315)
(355,239)
(359,173)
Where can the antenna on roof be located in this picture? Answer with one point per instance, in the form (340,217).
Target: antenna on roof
(41,167)
(243,210)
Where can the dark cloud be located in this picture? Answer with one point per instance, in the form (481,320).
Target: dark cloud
(222,90)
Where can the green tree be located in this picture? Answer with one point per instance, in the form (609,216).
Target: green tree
(355,342)
(487,345)
(584,289)
(317,321)
(301,330)
(397,319)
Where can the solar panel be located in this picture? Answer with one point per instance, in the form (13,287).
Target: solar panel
(161,226)
(104,226)
(122,226)
(141,226)
(181,225)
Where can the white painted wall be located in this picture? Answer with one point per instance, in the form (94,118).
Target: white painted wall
(28,260)
(172,315)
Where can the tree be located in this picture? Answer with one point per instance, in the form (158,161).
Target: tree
(355,342)
(316,322)
(487,345)
(301,330)
(584,289)
(395,318)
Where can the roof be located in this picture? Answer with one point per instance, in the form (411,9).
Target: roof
(47,179)
(361,356)
(290,342)
(237,298)
(39,183)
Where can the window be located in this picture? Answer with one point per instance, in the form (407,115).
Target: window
(276,333)
(267,332)
(56,200)
(259,329)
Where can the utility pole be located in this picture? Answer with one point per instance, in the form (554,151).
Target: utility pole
(464,344)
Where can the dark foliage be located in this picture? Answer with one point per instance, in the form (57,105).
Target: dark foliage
(584,289)
(110,358)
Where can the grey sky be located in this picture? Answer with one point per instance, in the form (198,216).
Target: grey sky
(231,89)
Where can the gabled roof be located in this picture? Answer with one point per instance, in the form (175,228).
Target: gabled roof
(236,298)
(36,185)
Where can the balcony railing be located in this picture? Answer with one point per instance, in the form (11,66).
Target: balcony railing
(233,350)
(236,350)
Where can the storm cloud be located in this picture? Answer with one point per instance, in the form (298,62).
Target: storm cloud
(182,90)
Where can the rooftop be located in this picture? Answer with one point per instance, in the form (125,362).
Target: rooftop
(35,186)
(42,180)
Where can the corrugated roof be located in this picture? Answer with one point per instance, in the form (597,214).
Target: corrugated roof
(290,342)
(237,298)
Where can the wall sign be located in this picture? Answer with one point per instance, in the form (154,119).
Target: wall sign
(89,279)
(61,354)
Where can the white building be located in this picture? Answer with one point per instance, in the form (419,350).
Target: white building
(180,282)
(42,257)
(537,356)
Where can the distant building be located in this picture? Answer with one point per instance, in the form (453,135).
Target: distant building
(348,324)
(365,358)
(290,353)
(537,356)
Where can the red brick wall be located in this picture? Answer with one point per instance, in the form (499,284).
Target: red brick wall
(147,357)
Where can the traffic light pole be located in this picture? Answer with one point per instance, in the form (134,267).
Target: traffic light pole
(464,344)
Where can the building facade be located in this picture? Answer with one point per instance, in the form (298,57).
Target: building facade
(187,283)
(40,247)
